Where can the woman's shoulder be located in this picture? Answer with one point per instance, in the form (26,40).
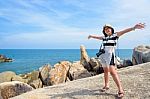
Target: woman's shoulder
(115,35)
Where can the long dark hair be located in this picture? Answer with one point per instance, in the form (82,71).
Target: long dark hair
(112,29)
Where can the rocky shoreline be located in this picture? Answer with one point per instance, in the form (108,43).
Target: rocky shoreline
(135,81)
(62,72)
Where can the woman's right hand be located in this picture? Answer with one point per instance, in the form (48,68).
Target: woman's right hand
(90,36)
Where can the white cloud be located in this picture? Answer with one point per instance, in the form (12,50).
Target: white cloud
(68,25)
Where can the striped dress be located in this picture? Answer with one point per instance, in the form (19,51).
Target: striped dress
(109,45)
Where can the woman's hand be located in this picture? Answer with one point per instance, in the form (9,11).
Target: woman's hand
(95,37)
(90,36)
(139,26)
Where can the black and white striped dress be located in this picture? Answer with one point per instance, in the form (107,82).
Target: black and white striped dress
(109,44)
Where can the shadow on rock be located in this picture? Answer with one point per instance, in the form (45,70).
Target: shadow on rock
(83,94)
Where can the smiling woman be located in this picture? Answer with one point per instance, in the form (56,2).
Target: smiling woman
(107,54)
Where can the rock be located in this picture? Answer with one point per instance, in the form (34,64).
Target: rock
(81,74)
(5,59)
(6,76)
(14,88)
(33,79)
(77,71)
(34,75)
(25,76)
(59,73)
(18,78)
(127,63)
(8,60)
(96,65)
(135,81)
(118,61)
(2,57)
(28,78)
(94,62)
(44,73)
(84,58)
(141,54)
(36,84)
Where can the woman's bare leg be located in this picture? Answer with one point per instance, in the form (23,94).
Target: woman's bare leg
(106,76)
(116,78)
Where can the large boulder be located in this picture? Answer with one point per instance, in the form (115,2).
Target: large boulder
(44,73)
(84,58)
(96,65)
(36,84)
(77,71)
(6,76)
(33,79)
(81,74)
(141,54)
(19,78)
(14,88)
(30,77)
(59,73)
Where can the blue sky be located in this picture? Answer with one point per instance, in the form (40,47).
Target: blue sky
(66,24)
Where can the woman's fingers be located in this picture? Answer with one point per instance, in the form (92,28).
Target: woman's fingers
(89,36)
(140,25)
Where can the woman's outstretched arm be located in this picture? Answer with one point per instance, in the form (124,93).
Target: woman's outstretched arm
(95,37)
(137,26)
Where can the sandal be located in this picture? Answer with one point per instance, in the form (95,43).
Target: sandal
(104,89)
(120,94)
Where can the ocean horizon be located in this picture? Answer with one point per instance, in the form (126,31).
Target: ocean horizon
(27,60)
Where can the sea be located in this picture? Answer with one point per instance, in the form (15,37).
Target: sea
(27,60)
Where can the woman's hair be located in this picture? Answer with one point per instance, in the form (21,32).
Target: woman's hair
(112,29)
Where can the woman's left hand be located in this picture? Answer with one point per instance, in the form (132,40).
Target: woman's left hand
(139,26)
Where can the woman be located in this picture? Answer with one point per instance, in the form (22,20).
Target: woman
(107,59)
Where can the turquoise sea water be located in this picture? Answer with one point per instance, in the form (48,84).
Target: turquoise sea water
(27,60)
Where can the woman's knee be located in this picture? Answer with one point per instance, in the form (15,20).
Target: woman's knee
(106,69)
(113,71)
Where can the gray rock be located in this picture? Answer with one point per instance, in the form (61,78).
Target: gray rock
(36,84)
(84,58)
(81,74)
(6,76)
(44,73)
(141,54)
(94,62)
(18,78)
(127,63)
(11,89)
(77,71)
(96,65)
(34,75)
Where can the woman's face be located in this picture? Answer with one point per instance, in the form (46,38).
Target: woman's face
(108,31)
